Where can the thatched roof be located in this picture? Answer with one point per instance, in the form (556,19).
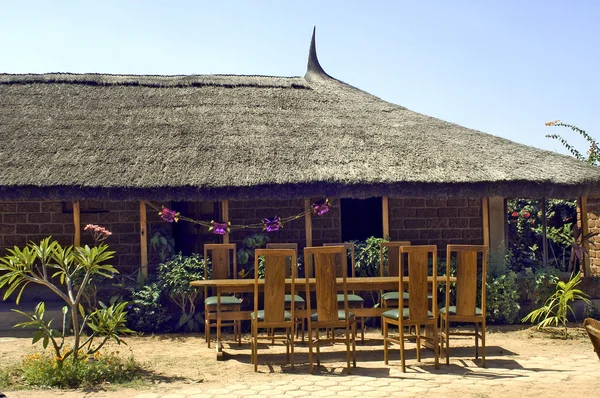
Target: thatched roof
(220,136)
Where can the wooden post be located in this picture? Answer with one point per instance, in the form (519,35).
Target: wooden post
(544,234)
(143,240)
(77,222)
(585,264)
(497,232)
(225,217)
(385,203)
(485,210)
(308,227)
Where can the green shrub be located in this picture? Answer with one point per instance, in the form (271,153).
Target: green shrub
(147,312)
(502,299)
(45,370)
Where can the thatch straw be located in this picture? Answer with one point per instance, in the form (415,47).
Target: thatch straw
(213,137)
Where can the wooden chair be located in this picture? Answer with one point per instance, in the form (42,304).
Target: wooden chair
(465,309)
(221,256)
(274,315)
(391,299)
(328,316)
(299,301)
(419,312)
(354,300)
(592,326)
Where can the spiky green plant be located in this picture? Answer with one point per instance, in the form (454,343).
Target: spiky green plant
(556,309)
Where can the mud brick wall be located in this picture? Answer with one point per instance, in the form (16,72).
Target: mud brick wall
(593,211)
(326,228)
(24,221)
(436,221)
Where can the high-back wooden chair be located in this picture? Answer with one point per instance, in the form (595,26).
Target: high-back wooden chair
(416,275)
(471,270)
(223,265)
(391,268)
(274,314)
(354,300)
(328,316)
(299,301)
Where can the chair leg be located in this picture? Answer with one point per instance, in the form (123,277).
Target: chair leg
(436,346)
(447,323)
(402,359)
(310,352)
(354,344)
(483,344)
(291,343)
(348,354)
(255,346)
(418,334)
(318,345)
(207,332)
(476,341)
(384,329)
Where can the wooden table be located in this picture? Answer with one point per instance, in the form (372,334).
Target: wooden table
(247,285)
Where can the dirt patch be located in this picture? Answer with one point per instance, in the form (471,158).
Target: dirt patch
(184,361)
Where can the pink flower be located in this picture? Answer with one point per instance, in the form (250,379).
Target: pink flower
(515,214)
(525,214)
(99,233)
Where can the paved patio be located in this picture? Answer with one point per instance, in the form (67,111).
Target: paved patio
(504,376)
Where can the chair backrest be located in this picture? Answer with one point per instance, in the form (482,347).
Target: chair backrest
(293,246)
(275,265)
(221,256)
(349,249)
(416,268)
(393,257)
(325,266)
(469,261)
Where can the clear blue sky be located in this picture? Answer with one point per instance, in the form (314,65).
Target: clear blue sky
(503,67)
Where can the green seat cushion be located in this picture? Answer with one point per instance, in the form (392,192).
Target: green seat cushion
(394,296)
(452,310)
(341,316)
(297,299)
(225,300)
(287,316)
(393,314)
(352,298)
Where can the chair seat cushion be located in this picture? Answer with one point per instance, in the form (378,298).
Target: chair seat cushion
(452,310)
(352,298)
(297,299)
(394,296)
(341,316)
(287,316)
(394,314)
(226,300)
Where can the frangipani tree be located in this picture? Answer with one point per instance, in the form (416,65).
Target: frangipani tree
(66,271)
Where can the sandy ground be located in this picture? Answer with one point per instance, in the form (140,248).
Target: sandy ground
(184,361)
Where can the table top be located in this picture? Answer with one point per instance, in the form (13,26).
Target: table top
(356,283)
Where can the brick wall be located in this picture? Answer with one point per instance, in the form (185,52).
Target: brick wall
(436,221)
(326,228)
(593,211)
(24,221)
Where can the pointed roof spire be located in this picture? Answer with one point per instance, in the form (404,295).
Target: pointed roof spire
(314,67)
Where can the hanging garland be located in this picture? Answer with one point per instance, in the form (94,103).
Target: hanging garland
(221,228)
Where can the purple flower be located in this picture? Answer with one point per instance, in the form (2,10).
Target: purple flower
(169,215)
(272,224)
(219,228)
(321,207)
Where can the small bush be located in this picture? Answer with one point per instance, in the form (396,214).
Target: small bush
(44,370)
(502,299)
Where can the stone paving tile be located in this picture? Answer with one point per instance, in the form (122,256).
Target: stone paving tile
(323,393)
